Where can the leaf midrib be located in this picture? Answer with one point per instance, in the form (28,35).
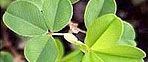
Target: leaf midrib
(56,14)
(104,31)
(42,50)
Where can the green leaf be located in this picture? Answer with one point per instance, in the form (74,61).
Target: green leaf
(75,56)
(104,31)
(41,49)
(112,58)
(25,19)
(60,50)
(5,57)
(38,3)
(119,52)
(91,57)
(96,8)
(128,36)
(57,14)
(74,1)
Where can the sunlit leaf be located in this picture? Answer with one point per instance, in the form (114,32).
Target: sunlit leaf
(104,31)
(91,57)
(60,49)
(121,53)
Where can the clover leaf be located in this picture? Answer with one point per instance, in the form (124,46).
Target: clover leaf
(41,49)
(97,8)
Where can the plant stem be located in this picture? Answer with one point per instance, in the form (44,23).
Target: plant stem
(58,34)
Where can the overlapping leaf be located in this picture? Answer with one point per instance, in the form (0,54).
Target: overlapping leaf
(33,17)
(128,35)
(60,49)
(96,8)
(104,30)
(105,39)
(41,49)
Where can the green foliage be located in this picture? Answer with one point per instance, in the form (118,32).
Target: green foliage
(25,19)
(41,49)
(91,57)
(103,39)
(57,14)
(96,8)
(5,57)
(60,49)
(32,20)
(128,35)
(75,56)
(108,38)
(107,28)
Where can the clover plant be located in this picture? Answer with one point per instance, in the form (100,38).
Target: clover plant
(108,38)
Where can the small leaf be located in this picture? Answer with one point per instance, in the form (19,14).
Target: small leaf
(41,49)
(91,57)
(75,56)
(96,8)
(5,57)
(121,53)
(128,36)
(104,31)
(57,13)
(74,1)
(25,19)
(60,50)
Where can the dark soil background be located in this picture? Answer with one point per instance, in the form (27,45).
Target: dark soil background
(132,11)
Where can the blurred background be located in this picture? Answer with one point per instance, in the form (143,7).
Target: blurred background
(132,11)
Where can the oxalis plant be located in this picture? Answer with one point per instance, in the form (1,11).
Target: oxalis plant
(108,38)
